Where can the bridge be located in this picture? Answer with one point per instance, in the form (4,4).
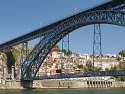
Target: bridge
(86,74)
(107,13)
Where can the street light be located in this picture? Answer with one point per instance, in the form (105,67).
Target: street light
(57,17)
(75,10)
(40,25)
(28,29)
(17,34)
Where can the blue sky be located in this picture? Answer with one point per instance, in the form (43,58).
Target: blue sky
(18,17)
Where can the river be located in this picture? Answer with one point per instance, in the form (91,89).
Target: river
(66,91)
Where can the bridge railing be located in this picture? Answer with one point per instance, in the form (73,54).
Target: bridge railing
(85,74)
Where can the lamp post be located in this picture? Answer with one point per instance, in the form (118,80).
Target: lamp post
(28,29)
(40,25)
(75,10)
(17,34)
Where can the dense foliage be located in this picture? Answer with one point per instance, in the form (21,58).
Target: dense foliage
(122,53)
(10,59)
(69,52)
(16,53)
(12,56)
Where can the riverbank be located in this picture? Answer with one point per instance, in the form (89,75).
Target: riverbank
(76,84)
(39,84)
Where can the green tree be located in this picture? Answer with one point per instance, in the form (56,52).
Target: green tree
(80,66)
(74,68)
(57,46)
(86,69)
(122,65)
(122,78)
(64,50)
(10,59)
(106,69)
(89,65)
(69,52)
(16,53)
(122,53)
(97,69)
(113,68)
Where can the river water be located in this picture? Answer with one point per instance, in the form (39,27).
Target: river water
(66,91)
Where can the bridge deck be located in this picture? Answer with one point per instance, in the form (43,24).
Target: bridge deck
(78,75)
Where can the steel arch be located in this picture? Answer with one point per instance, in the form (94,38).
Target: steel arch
(36,57)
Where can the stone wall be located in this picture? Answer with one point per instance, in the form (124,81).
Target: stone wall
(58,84)
(118,84)
(73,84)
(10,84)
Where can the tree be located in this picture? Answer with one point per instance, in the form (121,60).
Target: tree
(69,52)
(122,53)
(97,69)
(80,66)
(86,69)
(122,78)
(113,68)
(16,53)
(89,65)
(106,69)
(64,50)
(10,59)
(122,65)
(57,46)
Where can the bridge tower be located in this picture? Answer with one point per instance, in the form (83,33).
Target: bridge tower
(65,46)
(97,49)
(24,53)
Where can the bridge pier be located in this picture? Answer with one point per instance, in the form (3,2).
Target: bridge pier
(27,84)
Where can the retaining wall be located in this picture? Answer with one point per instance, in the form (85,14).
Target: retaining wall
(10,84)
(60,84)
(75,84)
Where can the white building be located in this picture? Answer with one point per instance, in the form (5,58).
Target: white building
(82,58)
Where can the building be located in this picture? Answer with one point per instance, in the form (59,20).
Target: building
(82,58)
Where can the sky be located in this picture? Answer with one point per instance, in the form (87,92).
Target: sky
(18,17)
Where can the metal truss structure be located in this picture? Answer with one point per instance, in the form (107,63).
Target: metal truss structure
(24,52)
(32,63)
(51,34)
(110,5)
(97,49)
(65,45)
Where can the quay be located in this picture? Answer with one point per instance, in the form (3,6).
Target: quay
(76,84)
(58,83)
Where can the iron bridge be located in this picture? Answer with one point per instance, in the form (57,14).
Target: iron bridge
(86,74)
(107,13)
